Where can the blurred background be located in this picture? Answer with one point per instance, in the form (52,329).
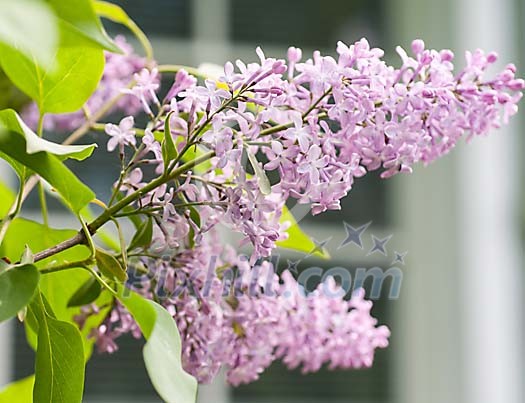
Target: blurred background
(457,328)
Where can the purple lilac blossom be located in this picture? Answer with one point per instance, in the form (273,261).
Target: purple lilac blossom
(247,323)
(320,124)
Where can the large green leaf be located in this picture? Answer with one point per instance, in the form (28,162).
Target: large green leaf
(20,391)
(15,142)
(30,27)
(81,15)
(38,237)
(110,266)
(58,287)
(10,120)
(86,293)
(297,239)
(162,352)
(68,83)
(59,364)
(7,198)
(169,151)
(17,287)
(262,179)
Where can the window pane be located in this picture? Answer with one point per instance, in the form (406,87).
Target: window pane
(159,17)
(311,23)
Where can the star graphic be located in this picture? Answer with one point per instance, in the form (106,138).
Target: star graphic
(379,245)
(399,257)
(353,235)
(291,265)
(319,247)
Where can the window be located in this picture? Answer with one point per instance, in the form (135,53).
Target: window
(170,18)
(275,24)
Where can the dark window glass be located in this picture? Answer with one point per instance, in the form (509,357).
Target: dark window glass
(158,17)
(311,23)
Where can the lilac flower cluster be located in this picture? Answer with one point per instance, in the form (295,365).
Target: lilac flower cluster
(320,126)
(118,73)
(317,124)
(242,318)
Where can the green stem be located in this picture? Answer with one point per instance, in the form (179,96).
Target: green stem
(280,128)
(203,203)
(143,39)
(4,223)
(88,237)
(314,105)
(116,190)
(41,190)
(19,199)
(102,282)
(122,240)
(171,174)
(198,130)
(40,125)
(105,216)
(43,203)
(81,264)
(137,212)
(131,25)
(81,236)
(175,68)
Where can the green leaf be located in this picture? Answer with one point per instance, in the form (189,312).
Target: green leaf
(20,391)
(57,287)
(38,237)
(169,152)
(143,235)
(7,198)
(66,85)
(27,256)
(162,352)
(81,15)
(30,27)
(109,266)
(10,120)
(262,179)
(113,12)
(59,364)
(17,287)
(297,240)
(21,171)
(86,293)
(195,217)
(193,152)
(16,139)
